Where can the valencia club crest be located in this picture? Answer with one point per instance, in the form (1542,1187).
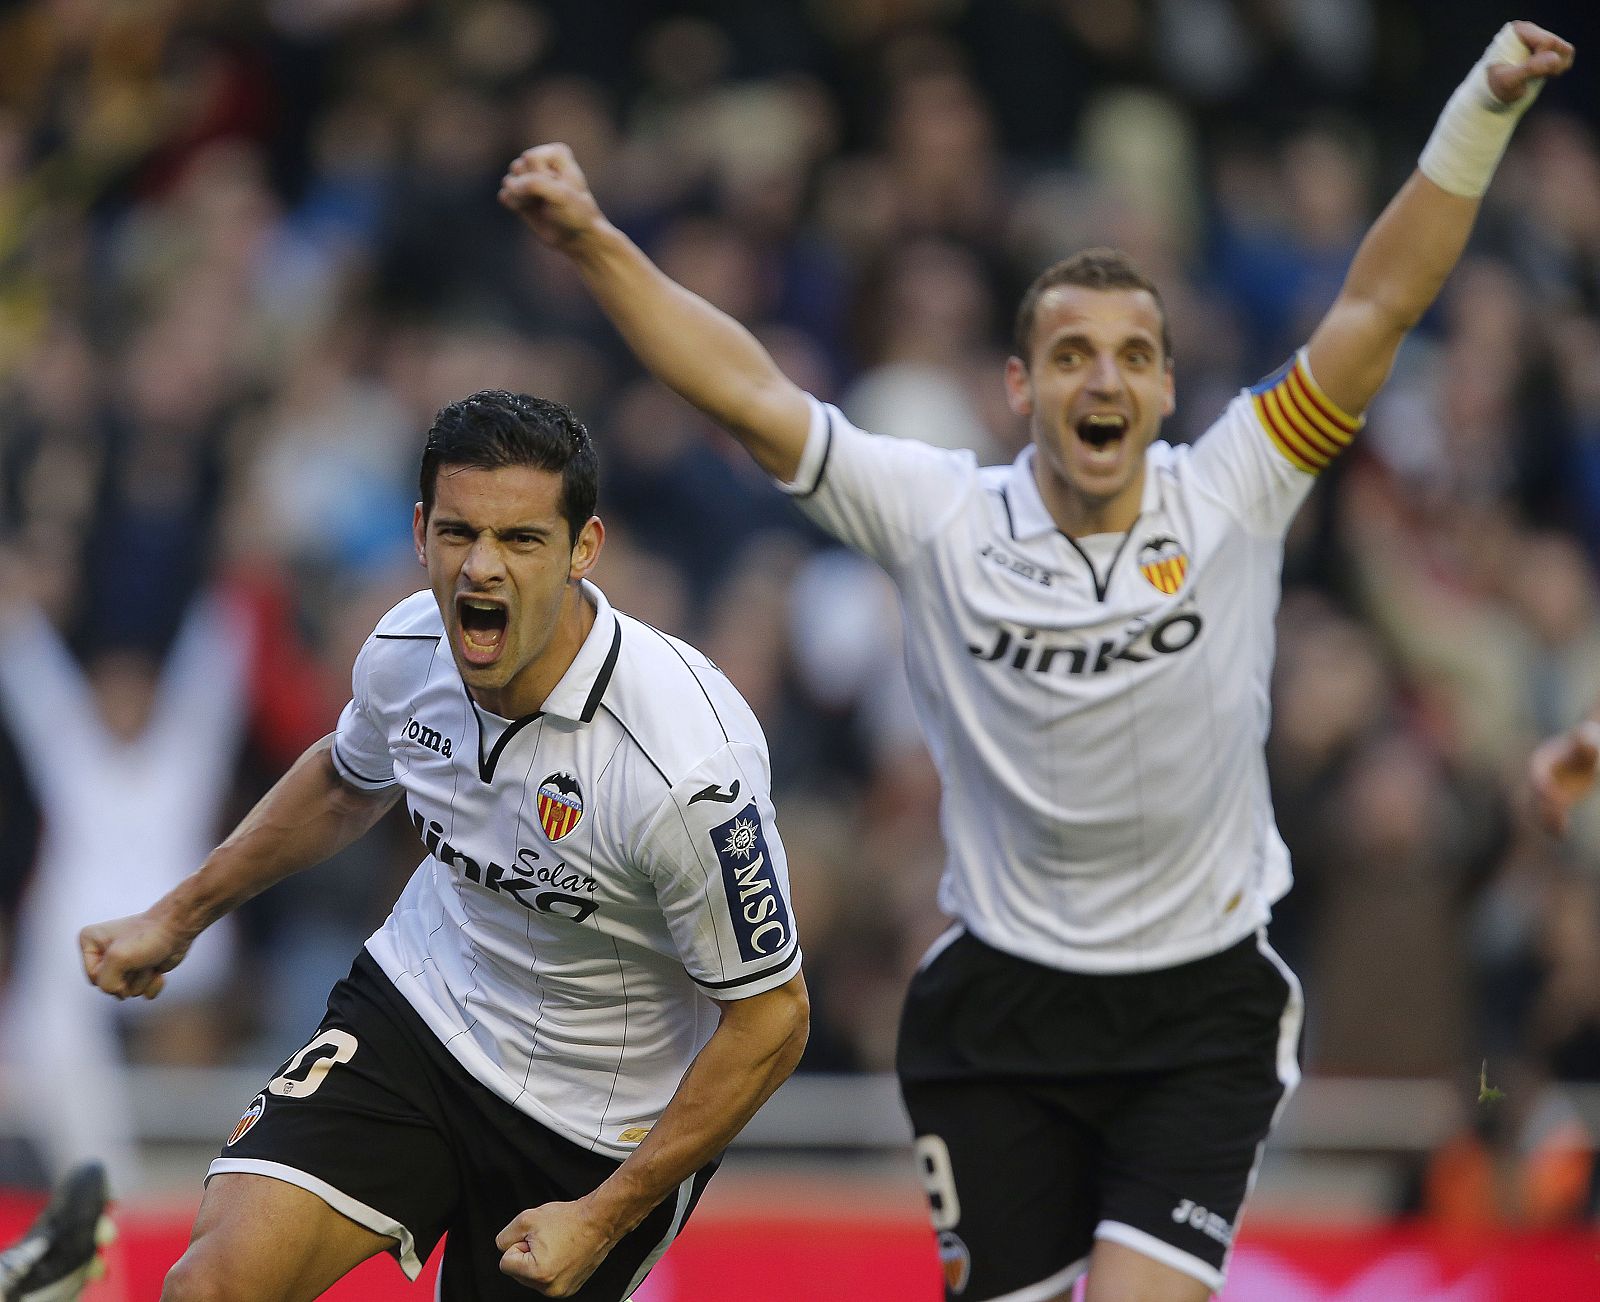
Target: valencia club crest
(560,805)
(1163,562)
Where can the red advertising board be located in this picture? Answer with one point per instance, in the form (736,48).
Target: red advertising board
(890,1259)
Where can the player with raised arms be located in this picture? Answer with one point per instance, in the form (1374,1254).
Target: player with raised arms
(591,981)
(1095,1052)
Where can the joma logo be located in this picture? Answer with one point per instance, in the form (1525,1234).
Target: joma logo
(423,735)
(1207,1222)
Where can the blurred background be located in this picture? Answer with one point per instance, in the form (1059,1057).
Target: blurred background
(247,250)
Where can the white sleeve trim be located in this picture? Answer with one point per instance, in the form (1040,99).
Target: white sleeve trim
(754,983)
(358,780)
(814,459)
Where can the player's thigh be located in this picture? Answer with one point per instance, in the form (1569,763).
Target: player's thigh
(1121,1274)
(1011,1178)
(257,1239)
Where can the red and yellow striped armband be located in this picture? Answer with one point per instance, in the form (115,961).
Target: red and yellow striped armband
(1301,420)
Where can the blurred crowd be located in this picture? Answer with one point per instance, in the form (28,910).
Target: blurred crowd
(248,249)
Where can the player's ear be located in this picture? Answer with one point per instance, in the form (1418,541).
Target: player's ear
(586,548)
(419,532)
(1019,388)
(1169,399)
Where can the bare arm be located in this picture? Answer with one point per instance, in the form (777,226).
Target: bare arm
(1562,771)
(556,1247)
(686,343)
(1411,249)
(310,814)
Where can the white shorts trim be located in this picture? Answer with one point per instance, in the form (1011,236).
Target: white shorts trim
(685,1192)
(946,938)
(1294,1015)
(1159,1250)
(1046,1289)
(405,1249)
(1294,1010)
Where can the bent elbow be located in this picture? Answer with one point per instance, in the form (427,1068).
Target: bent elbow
(797,1014)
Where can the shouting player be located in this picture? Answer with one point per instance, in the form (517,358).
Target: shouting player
(1094,1053)
(590,983)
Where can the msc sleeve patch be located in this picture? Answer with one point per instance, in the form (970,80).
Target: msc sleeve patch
(760,915)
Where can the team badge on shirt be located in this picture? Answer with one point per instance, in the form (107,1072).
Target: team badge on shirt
(560,805)
(1164,563)
(760,917)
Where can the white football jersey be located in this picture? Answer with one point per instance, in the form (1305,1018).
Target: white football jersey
(1096,707)
(594,871)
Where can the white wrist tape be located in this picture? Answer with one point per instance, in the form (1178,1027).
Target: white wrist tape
(1475,127)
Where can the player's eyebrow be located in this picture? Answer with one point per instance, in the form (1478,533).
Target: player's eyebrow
(1136,337)
(459,522)
(1080,341)
(540,531)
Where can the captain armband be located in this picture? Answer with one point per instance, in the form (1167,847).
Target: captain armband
(1472,133)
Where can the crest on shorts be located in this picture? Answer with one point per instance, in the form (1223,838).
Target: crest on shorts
(252,1114)
(955,1260)
(1164,563)
(560,805)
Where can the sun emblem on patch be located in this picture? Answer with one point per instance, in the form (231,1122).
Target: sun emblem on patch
(741,840)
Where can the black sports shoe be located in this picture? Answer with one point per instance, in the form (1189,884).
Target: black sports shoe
(60,1253)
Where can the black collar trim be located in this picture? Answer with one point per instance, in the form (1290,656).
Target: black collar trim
(1011,520)
(1102,586)
(486,764)
(602,680)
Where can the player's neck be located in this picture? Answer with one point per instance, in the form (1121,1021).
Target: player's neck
(1079,514)
(527,692)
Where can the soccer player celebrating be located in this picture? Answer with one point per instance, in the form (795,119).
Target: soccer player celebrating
(1094,1053)
(525,1053)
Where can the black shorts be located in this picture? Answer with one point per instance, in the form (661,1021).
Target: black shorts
(375,1117)
(1052,1108)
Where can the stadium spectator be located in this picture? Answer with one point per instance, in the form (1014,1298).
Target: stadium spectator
(131,768)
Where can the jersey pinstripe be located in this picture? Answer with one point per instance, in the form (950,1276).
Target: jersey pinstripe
(1096,707)
(594,872)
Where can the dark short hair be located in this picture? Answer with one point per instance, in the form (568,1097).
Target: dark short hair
(493,428)
(1091,269)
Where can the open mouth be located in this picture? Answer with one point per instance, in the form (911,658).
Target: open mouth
(1102,433)
(483,629)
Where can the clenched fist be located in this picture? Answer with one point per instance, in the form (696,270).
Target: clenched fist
(129,957)
(546,188)
(553,1249)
